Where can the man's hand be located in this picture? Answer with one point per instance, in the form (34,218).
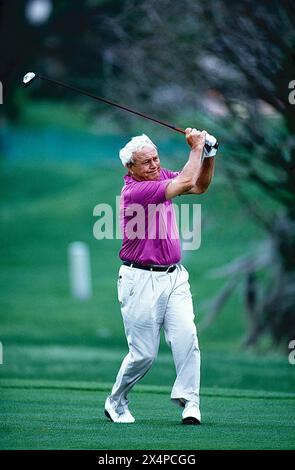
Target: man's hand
(195,139)
(210,149)
(186,180)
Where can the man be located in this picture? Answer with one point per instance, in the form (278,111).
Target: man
(153,287)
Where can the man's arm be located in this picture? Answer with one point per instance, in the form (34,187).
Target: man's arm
(205,178)
(189,176)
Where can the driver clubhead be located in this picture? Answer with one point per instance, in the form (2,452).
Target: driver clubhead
(29,78)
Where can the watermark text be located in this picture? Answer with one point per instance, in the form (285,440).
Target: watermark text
(151,222)
(291,356)
(291,96)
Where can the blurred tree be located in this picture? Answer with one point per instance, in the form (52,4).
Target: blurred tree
(69,44)
(171,58)
(243,52)
(259,43)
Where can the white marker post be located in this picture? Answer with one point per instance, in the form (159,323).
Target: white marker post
(80,274)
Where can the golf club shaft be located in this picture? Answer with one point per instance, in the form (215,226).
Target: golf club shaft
(98,98)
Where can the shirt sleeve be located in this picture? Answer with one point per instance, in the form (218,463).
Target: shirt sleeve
(171,174)
(149,192)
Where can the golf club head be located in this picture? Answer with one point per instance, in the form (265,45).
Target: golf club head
(29,78)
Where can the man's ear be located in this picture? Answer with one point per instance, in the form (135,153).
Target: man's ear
(128,166)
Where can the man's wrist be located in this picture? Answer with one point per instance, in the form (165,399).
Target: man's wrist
(197,148)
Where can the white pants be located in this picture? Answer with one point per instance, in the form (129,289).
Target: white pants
(149,301)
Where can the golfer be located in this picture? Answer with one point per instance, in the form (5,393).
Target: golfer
(153,287)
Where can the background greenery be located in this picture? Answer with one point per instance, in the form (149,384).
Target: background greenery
(61,355)
(59,158)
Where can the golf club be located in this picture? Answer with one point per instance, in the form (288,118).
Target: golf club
(31,76)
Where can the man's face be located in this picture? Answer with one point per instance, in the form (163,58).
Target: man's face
(146,165)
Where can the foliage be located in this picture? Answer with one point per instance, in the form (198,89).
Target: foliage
(172,58)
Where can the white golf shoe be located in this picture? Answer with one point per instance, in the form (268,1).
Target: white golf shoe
(111,413)
(191,413)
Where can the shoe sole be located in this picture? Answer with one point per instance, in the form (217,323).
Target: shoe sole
(107,414)
(191,420)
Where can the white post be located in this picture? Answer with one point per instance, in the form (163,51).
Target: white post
(80,275)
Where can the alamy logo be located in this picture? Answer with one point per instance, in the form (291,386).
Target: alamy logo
(154,221)
(292,93)
(1,93)
(291,356)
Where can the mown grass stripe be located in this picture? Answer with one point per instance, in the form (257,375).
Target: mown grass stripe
(155,389)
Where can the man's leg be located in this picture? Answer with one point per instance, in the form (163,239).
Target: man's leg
(143,348)
(142,328)
(181,336)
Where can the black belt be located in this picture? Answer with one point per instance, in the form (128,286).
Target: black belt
(151,267)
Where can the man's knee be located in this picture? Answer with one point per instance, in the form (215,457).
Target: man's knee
(144,358)
(192,340)
(188,340)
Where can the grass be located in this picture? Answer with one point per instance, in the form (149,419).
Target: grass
(61,355)
(220,369)
(46,207)
(58,417)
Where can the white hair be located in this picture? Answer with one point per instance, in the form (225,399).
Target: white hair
(134,145)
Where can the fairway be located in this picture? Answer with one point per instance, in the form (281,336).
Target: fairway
(46,415)
(147,230)
(61,356)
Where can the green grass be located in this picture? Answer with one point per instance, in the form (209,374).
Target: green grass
(61,416)
(75,348)
(99,363)
(45,207)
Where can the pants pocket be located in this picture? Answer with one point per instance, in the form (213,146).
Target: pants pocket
(119,288)
(125,287)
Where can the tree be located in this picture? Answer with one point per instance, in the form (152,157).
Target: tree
(166,56)
(244,51)
(69,45)
(259,43)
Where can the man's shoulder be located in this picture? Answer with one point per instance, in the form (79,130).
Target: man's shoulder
(165,174)
(169,174)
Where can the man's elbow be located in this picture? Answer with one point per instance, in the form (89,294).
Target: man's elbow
(201,188)
(187,184)
(204,188)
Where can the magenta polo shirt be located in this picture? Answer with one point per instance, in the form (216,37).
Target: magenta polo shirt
(148,223)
